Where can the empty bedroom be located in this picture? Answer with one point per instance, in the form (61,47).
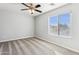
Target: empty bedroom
(39,29)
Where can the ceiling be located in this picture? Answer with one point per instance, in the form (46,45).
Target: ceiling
(16,7)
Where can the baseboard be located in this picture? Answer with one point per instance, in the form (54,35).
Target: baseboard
(6,40)
(66,47)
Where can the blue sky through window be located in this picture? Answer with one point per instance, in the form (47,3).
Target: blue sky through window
(64,19)
(53,20)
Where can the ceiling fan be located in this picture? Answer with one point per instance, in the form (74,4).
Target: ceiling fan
(31,7)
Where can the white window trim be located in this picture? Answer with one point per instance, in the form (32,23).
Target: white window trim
(62,36)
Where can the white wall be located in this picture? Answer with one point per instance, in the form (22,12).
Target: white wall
(15,25)
(42,27)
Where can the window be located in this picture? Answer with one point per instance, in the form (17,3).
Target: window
(60,25)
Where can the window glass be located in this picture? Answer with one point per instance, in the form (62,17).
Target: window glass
(64,21)
(60,25)
(53,23)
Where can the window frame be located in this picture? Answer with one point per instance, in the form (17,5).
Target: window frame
(70,25)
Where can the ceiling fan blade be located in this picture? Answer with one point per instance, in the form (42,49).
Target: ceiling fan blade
(37,6)
(24,4)
(24,9)
(38,11)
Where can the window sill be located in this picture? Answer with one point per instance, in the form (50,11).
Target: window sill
(61,36)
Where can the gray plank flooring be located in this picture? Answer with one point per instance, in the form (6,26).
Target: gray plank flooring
(32,46)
